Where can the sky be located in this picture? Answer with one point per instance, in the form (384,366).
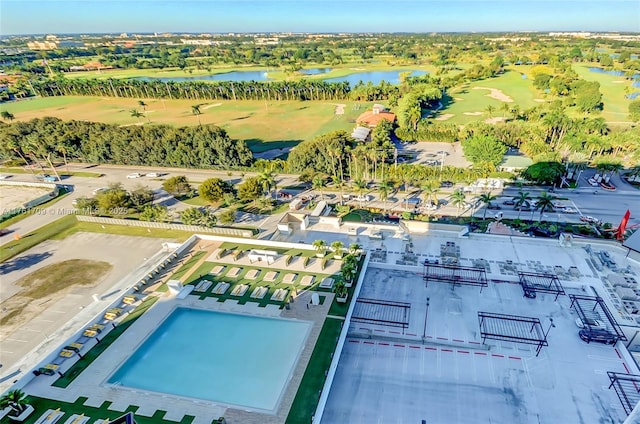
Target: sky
(209,16)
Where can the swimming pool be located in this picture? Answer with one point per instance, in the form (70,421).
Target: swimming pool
(232,359)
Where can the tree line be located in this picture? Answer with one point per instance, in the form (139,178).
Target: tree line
(42,140)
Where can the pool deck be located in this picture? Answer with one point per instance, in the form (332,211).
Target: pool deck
(90,383)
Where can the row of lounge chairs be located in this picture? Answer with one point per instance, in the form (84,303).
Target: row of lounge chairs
(52,416)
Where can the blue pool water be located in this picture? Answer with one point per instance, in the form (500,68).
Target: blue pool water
(227,358)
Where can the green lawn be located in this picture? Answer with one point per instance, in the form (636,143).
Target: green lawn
(306,400)
(27,241)
(466,102)
(616,105)
(41,405)
(106,341)
(202,273)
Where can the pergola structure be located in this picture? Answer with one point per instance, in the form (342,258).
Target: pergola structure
(533,282)
(593,308)
(627,387)
(382,312)
(512,328)
(454,274)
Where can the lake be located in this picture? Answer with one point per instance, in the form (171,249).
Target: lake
(375,77)
(315,71)
(226,76)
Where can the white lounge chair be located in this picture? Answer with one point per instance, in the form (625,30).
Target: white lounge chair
(77,419)
(234,272)
(271,276)
(50,417)
(290,278)
(217,270)
(307,280)
(327,283)
(252,274)
(239,290)
(259,292)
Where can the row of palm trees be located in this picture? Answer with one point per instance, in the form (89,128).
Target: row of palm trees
(194,90)
(523,201)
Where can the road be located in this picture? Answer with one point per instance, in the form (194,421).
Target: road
(84,186)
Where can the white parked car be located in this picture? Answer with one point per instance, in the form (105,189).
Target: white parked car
(569,210)
(4,177)
(134,175)
(153,175)
(593,182)
(99,190)
(365,198)
(593,323)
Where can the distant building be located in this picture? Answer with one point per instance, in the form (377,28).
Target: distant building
(42,45)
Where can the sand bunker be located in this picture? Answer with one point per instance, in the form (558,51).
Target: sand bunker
(540,100)
(473,113)
(445,116)
(212,105)
(494,93)
(339,108)
(618,82)
(495,120)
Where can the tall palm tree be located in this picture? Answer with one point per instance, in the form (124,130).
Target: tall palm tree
(430,189)
(384,188)
(6,115)
(521,200)
(544,202)
(353,248)
(195,110)
(143,105)
(458,200)
(490,109)
(268,181)
(486,199)
(319,183)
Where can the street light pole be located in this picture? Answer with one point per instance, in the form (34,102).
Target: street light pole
(424,331)
(551,324)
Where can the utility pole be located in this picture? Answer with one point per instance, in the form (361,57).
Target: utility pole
(426,313)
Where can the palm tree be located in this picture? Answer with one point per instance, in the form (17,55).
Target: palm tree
(544,202)
(486,198)
(504,107)
(319,183)
(383,189)
(268,181)
(490,109)
(320,246)
(522,200)
(458,200)
(135,113)
(430,189)
(354,248)
(195,110)
(16,400)
(143,105)
(337,247)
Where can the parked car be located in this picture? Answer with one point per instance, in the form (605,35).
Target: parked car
(364,198)
(509,202)
(568,210)
(284,195)
(492,206)
(589,219)
(152,175)
(99,190)
(4,177)
(522,208)
(598,335)
(446,184)
(593,182)
(134,175)
(442,152)
(591,323)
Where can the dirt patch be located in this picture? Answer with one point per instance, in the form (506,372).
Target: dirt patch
(445,116)
(46,284)
(540,100)
(473,113)
(495,120)
(494,93)
(13,197)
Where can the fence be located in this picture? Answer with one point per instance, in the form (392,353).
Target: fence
(235,232)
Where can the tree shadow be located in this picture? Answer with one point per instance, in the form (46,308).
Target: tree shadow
(23,262)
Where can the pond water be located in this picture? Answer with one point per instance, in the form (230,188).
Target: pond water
(375,77)
(227,76)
